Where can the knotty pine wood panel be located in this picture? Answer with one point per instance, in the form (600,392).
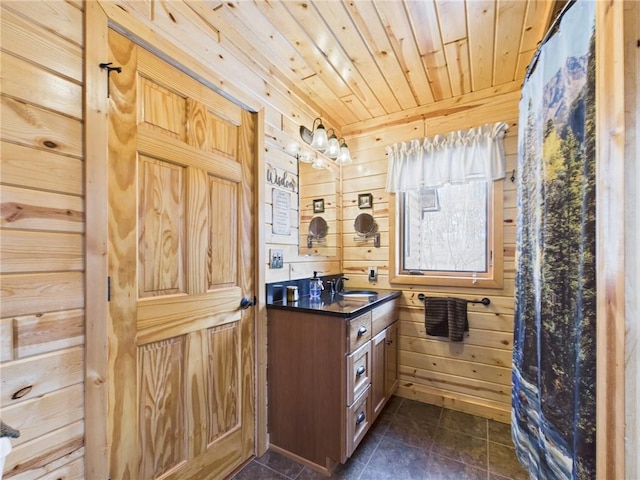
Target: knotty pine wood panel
(38,455)
(41,333)
(43,211)
(29,83)
(161,406)
(440,109)
(456,401)
(6,339)
(499,304)
(161,217)
(457,384)
(481,15)
(23,294)
(36,127)
(43,373)
(38,416)
(40,45)
(24,252)
(453,366)
(375,35)
(506,37)
(480,338)
(391,100)
(372,166)
(457,54)
(434,347)
(223,226)
(477,319)
(405,48)
(73,470)
(40,169)
(62,18)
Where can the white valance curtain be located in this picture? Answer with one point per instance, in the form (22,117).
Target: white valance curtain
(458,157)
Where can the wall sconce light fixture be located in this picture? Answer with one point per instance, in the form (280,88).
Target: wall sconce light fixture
(344,157)
(319,139)
(333,146)
(316,137)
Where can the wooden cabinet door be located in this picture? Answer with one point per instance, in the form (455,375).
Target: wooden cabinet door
(378,366)
(180,258)
(391,360)
(384,367)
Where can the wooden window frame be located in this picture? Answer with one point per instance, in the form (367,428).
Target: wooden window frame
(493,278)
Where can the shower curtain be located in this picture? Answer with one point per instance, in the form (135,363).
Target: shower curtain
(554,367)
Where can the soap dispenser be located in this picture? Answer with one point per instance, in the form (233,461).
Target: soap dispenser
(315,287)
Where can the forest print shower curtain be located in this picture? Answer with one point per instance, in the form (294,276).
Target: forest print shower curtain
(554,367)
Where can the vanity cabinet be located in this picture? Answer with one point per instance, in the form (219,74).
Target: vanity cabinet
(327,380)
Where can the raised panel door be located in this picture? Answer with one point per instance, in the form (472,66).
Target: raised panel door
(181,352)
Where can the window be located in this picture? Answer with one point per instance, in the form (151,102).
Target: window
(449,235)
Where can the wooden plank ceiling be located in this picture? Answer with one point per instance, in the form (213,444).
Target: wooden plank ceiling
(358,62)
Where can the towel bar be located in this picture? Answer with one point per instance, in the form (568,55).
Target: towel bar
(485,301)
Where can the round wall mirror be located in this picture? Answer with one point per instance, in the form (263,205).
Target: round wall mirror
(318,227)
(365,225)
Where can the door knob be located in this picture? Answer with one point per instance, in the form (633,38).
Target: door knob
(246,302)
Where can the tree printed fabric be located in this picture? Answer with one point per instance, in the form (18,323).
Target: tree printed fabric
(554,363)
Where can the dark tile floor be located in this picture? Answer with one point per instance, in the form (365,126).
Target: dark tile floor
(412,440)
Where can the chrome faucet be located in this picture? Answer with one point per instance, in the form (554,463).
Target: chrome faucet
(339,285)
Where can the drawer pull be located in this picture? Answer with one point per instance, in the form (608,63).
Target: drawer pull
(360,370)
(362,330)
(360,418)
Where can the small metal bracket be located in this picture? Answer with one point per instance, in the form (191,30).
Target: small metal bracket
(109,69)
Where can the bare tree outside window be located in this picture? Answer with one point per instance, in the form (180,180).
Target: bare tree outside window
(445,229)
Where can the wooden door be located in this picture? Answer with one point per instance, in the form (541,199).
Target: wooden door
(180,258)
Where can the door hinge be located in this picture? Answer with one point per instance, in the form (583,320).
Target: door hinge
(108,288)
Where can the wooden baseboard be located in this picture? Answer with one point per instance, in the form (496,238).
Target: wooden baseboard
(462,403)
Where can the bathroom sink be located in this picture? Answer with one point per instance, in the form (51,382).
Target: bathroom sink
(358,293)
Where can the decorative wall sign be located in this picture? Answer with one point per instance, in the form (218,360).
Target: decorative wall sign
(318,205)
(365,200)
(281,204)
(281,178)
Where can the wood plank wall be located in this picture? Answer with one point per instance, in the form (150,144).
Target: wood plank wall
(632,238)
(42,227)
(473,377)
(42,230)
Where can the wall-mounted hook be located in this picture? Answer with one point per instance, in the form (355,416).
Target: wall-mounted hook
(109,69)
(513,176)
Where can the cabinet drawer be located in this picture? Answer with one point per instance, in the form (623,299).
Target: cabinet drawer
(358,422)
(359,331)
(384,315)
(358,368)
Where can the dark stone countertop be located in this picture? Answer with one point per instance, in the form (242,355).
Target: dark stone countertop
(336,305)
